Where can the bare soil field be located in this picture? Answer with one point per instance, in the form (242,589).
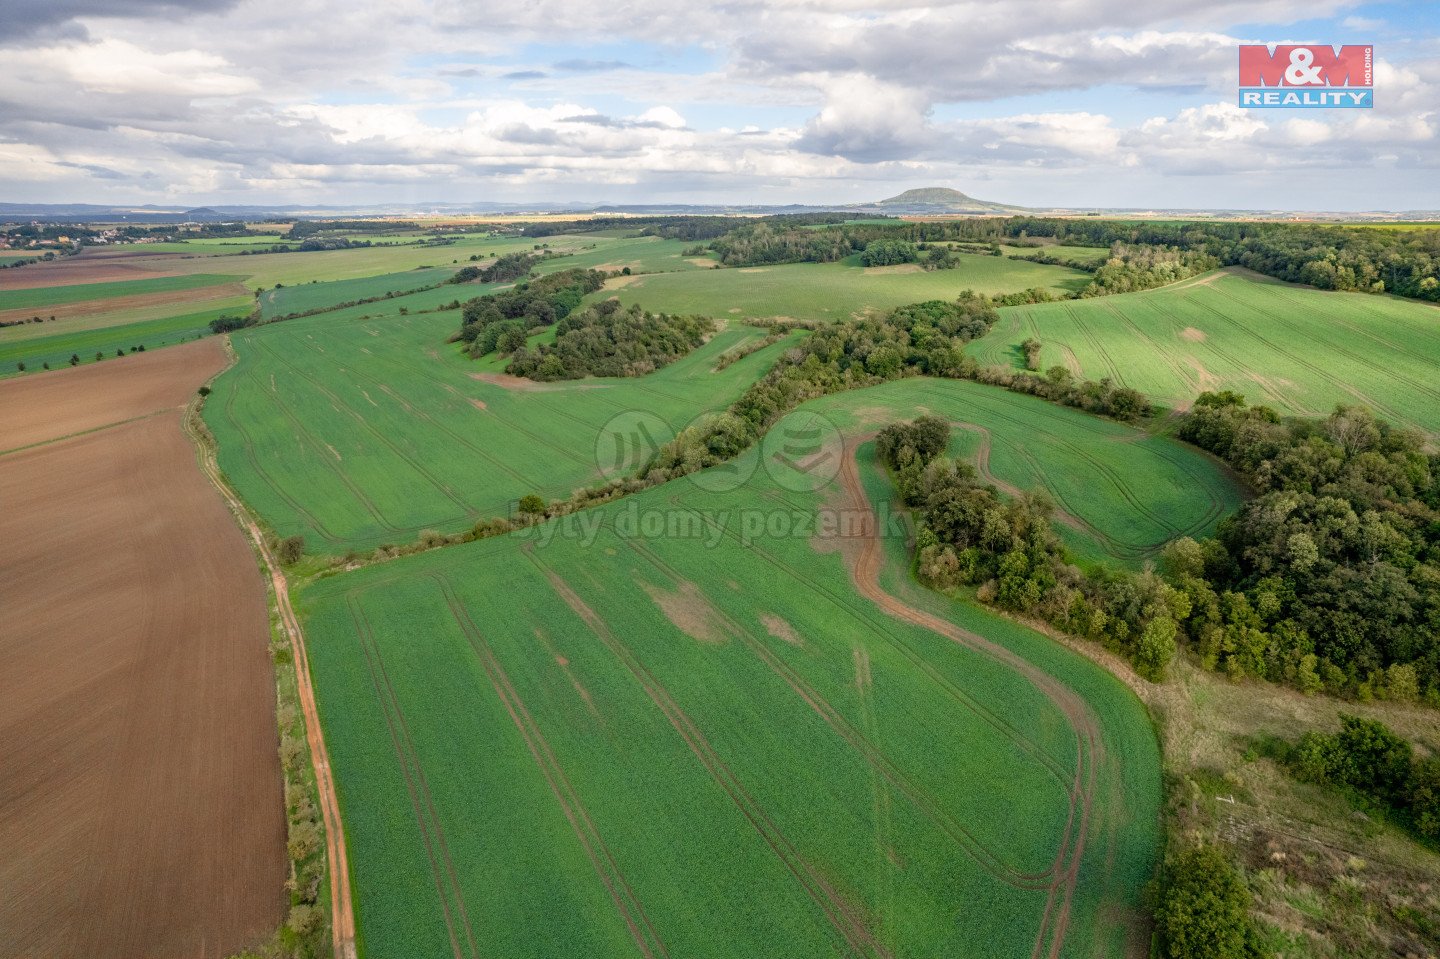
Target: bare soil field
(140,810)
(83,268)
(48,406)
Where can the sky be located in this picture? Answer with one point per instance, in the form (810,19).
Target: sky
(1068,103)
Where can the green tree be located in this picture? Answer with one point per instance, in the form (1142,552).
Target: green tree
(1205,909)
(532,505)
(290,549)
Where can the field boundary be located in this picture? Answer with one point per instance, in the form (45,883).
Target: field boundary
(342,911)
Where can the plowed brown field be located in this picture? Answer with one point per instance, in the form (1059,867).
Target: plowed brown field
(140,801)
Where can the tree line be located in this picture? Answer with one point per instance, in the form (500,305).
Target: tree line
(1347,258)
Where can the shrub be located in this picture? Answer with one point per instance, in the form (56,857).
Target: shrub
(1205,909)
(290,549)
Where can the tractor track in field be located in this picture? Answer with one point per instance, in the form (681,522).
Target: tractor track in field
(1347,352)
(873,757)
(1114,478)
(844,917)
(437,850)
(342,905)
(1185,376)
(866,573)
(1089,750)
(248,451)
(341,406)
(861,613)
(1090,753)
(627,903)
(1084,330)
(1298,360)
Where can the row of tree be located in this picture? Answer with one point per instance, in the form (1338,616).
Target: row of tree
(1404,262)
(968,534)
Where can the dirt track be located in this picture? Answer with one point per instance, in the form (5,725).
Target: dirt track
(865,558)
(140,807)
(342,906)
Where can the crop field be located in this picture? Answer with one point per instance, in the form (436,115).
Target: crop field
(141,812)
(58,341)
(674,726)
(318,296)
(1120,493)
(831,291)
(357,431)
(42,299)
(1297,349)
(1087,255)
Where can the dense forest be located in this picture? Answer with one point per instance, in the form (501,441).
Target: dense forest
(606,340)
(502,320)
(1330,579)
(1403,262)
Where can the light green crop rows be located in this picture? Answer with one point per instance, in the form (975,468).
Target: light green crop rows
(317,296)
(40,298)
(1121,493)
(588,740)
(1297,349)
(357,431)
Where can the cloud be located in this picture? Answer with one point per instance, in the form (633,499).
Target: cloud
(21,19)
(803,99)
(590,66)
(866,120)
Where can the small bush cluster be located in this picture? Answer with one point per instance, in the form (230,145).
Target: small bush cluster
(1370,761)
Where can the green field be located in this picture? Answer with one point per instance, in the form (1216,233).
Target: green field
(41,298)
(611,743)
(832,291)
(1121,494)
(1297,349)
(319,296)
(1087,255)
(56,349)
(356,432)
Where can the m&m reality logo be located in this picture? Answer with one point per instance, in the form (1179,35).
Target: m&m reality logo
(1309,75)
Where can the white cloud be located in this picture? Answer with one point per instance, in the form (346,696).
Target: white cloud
(328,99)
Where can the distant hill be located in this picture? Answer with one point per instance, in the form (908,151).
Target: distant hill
(937,200)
